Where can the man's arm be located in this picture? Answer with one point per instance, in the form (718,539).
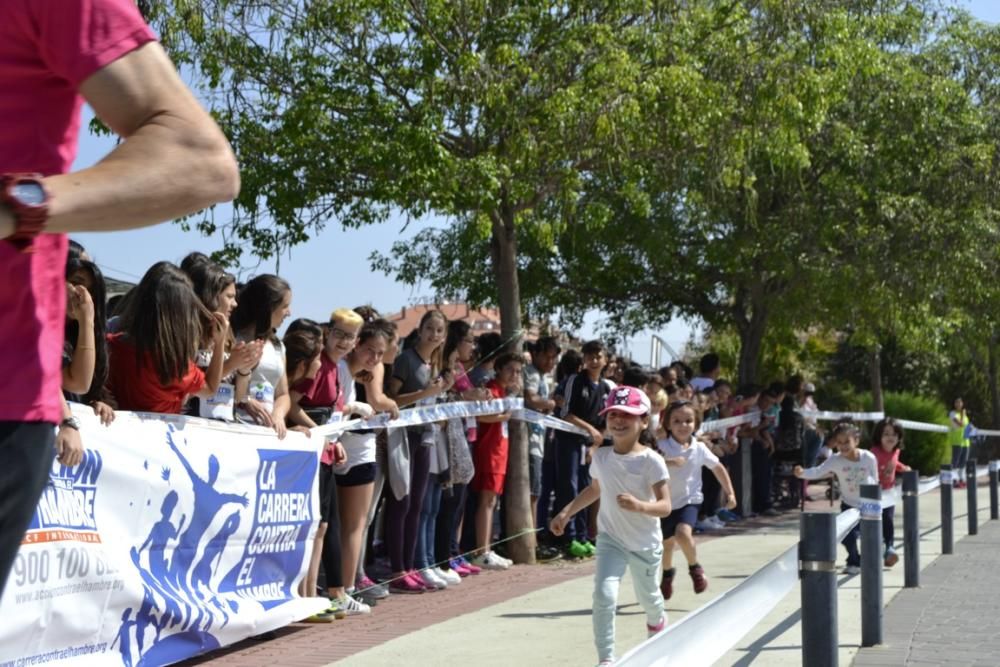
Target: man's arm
(174,160)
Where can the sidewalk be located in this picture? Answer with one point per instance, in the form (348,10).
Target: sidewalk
(953,617)
(777,639)
(529,615)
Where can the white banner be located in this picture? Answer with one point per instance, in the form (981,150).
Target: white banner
(173,537)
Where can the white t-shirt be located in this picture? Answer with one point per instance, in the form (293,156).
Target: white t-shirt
(628,473)
(850,474)
(685,489)
(701,383)
(221,405)
(359,446)
(265,378)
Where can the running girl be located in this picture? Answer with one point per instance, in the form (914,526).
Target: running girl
(853,467)
(685,456)
(631,482)
(887,443)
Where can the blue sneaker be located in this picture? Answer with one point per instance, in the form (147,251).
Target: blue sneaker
(728,515)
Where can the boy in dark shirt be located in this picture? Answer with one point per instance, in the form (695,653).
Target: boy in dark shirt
(583,398)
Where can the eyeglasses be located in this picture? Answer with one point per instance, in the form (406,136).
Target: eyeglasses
(340,334)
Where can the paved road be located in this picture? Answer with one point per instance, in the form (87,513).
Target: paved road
(954,617)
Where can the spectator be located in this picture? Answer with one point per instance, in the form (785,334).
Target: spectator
(709,368)
(86,305)
(544,354)
(488,346)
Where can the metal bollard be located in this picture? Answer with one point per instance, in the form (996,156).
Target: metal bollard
(947,530)
(994,494)
(871,564)
(744,478)
(972,500)
(911,530)
(818,575)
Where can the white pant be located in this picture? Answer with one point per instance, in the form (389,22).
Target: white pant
(645,566)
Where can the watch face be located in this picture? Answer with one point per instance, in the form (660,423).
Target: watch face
(29,193)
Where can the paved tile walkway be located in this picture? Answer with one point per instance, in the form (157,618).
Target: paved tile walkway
(954,617)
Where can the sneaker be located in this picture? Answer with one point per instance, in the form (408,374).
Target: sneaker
(705,525)
(362,597)
(605,663)
(591,549)
(490,561)
(464,562)
(577,550)
(852,569)
(891,557)
(407,585)
(458,566)
(716,521)
(352,606)
(728,515)
(431,580)
(370,589)
(545,554)
(770,511)
(450,577)
(667,583)
(698,578)
(326,616)
(656,629)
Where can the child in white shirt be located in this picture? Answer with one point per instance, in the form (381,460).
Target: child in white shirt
(631,482)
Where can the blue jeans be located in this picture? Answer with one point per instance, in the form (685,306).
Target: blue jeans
(568,485)
(612,559)
(428,521)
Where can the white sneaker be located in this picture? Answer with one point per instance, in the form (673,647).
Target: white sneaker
(430,579)
(508,561)
(490,561)
(353,607)
(716,521)
(852,569)
(450,576)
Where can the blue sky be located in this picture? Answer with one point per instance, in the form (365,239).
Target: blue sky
(317,292)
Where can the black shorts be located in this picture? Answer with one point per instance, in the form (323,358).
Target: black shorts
(327,492)
(687,514)
(359,475)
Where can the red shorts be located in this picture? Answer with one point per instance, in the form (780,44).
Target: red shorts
(488,482)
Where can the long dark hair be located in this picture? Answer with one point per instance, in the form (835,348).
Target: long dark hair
(209,281)
(881,427)
(98,294)
(457,331)
(301,346)
(164,320)
(258,300)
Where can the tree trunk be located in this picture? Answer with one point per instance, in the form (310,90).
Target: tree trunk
(751,343)
(992,372)
(875,373)
(516,497)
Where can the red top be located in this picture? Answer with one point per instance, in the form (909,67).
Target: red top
(47,49)
(888,466)
(323,391)
(491,440)
(138,388)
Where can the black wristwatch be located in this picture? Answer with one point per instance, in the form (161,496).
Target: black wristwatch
(70,422)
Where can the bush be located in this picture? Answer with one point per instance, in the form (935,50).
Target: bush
(924,451)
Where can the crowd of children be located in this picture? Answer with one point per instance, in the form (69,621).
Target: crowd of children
(422,499)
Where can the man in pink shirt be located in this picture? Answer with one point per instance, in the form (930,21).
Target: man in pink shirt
(54,54)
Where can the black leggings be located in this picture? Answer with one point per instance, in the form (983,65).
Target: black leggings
(26,451)
(332,555)
(402,516)
(888,526)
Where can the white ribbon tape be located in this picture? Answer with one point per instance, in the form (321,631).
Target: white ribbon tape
(728,422)
(974,432)
(834,416)
(922,426)
(548,421)
(427,414)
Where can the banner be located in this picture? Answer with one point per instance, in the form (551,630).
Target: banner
(173,537)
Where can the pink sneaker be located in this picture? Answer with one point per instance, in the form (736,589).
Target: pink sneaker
(654,629)
(473,569)
(406,585)
(459,568)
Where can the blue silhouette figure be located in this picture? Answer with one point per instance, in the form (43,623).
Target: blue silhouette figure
(208,501)
(123,638)
(159,572)
(201,575)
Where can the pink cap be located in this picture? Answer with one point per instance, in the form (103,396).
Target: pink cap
(627,399)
